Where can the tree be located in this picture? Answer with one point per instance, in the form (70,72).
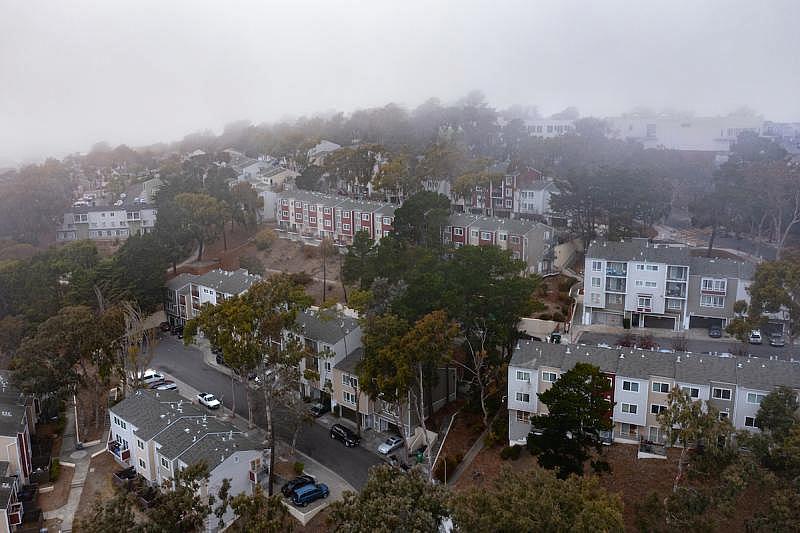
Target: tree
(258,512)
(310,179)
(422,218)
(203,218)
(139,267)
(777,413)
(114,514)
(537,500)
(181,506)
(357,265)
(776,288)
(391,501)
(578,411)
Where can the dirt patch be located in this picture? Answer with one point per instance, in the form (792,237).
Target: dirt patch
(318,524)
(49,501)
(90,423)
(553,301)
(488,463)
(98,484)
(466,429)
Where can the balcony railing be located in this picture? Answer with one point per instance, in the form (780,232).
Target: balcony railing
(628,435)
(675,293)
(617,272)
(611,286)
(120,450)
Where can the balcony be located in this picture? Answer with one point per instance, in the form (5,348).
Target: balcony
(651,450)
(120,451)
(616,272)
(677,273)
(675,290)
(615,285)
(626,435)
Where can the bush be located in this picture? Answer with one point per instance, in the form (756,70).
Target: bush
(265,238)
(537,306)
(558,317)
(301,278)
(252,264)
(298,468)
(310,252)
(497,433)
(545,316)
(565,285)
(510,452)
(55,469)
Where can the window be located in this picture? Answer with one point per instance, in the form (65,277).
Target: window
(721,394)
(651,284)
(660,387)
(549,377)
(165,463)
(142,464)
(509,204)
(630,408)
(714,285)
(749,422)
(673,304)
(349,398)
(639,267)
(644,302)
(346,214)
(474,232)
(486,235)
(326,210)
(514,239)
(708,300)
(595,298)
(346,227)
(386,221)
(364,216)
(327,366)
(597,266)
(285,213)
(631,386)
(596,282)
(313,220)
(509,180)
(523,397)
(755,397)
(657,409)
(723,415)
(692,392)
(652,268)
(523,376)
(522,416)
(327,223)
(458,231)
(639,283)
(615,299)
(140,444)
(629,430)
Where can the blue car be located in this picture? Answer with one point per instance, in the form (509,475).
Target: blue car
(306,494)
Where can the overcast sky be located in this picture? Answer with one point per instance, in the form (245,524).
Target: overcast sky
(140,71)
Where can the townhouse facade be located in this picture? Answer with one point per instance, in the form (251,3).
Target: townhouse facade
(107,223)
(159,433)
(314,216)
(522,194)
(529,241)
(186,293)
(641,381)
(549,127)
(660,286)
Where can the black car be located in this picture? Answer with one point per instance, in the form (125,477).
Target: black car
(300,481)
(318,409)
(341,433)
(715,332)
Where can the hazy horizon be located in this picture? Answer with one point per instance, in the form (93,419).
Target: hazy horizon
(150,71)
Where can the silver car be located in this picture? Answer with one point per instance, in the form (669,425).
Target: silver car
(391,444)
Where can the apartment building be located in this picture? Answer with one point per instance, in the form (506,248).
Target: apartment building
(522,194)
(529,241)
(105,223)
(314,216)
(641,380)
(548,128)
(186,293)
(660,286)
(159,432)
(18,418)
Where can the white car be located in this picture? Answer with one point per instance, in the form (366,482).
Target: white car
(150,376)
(755,337)
(209,400)
(391,444)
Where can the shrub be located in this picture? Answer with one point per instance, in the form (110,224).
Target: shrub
(252,264)
(298,467)
(265,238)
(301,278)
(55,469)
(310,252)
(558,317)
(497,433)
(545,316)
(510,452)
(537,306)
(565,284)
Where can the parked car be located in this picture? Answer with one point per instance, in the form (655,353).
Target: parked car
(167,385)
(318,409)
(347,437)
(220,359)
(391,444)
(776,340)
(209,400)
(310,493)
(755,337)
(715,331)
(150,376)
(178,330)
(300,481)
(164,326)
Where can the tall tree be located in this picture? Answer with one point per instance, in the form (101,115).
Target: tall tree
(776,288)
(203,218)
(422,219)
(356,266)
(181,506)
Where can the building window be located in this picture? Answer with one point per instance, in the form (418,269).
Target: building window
(640,267)
(458,232)
(327,366)
(349,398)
(523,397)
(657,409)
(486,236)
(327,223)
(140,444)
(708,300)
(723,415)
(673,304)
(597,266)
(313,220)
(650,284)
(631,386)
(721,394)
(660,387)
(285,213)
(346,214)
(514,239)
(755,397)
(596,282)
(713,285)
(364,216)
(346,227)
(524,417)
(692,392)
(165,463)
(615,298)
(509,204)
(549,377)
(630,408)
(652,268)
(644,302)
(595,298)
(749,422)
(629,430)
(503,237)
(326,210)
(523,376)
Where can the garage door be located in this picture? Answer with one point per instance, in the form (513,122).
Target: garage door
(659,322)
(606,319)
(704,322)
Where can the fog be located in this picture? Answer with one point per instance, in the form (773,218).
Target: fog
(76,72)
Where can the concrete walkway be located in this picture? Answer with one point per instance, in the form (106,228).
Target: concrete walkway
(74,455)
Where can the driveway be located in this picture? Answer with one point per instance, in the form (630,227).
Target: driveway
(186,363)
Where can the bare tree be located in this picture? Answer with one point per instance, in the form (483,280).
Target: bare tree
(138,346)
(478,367)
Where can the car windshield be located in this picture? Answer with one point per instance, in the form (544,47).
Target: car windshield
(210,397)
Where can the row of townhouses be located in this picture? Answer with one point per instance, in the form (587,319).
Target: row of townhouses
(524,193)
(661,286)
(311,215)
(641,380)
(186,293)
(159,433)
(529,241)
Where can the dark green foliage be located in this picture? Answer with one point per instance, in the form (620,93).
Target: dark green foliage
(422,219)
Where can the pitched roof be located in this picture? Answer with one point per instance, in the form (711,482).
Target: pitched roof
(513,226)
(312,326)
(213,449)
(638,250)
(721,268)
(179,281)
(152,411)
(229,282)
(176,438)
(350,363)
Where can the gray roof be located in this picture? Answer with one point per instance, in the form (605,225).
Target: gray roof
(229,282)
(312,326)
(176,438)
(513,226)
(721,268)
(311,197)
(152,411)
(179,281)
(350,363)
(753,373)
(638,250)
(213,449)
(12,407)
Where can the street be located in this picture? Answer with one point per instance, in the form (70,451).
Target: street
(186,363)
(666,339)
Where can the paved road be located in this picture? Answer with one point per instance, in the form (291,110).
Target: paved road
(665,340)
(186,364)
